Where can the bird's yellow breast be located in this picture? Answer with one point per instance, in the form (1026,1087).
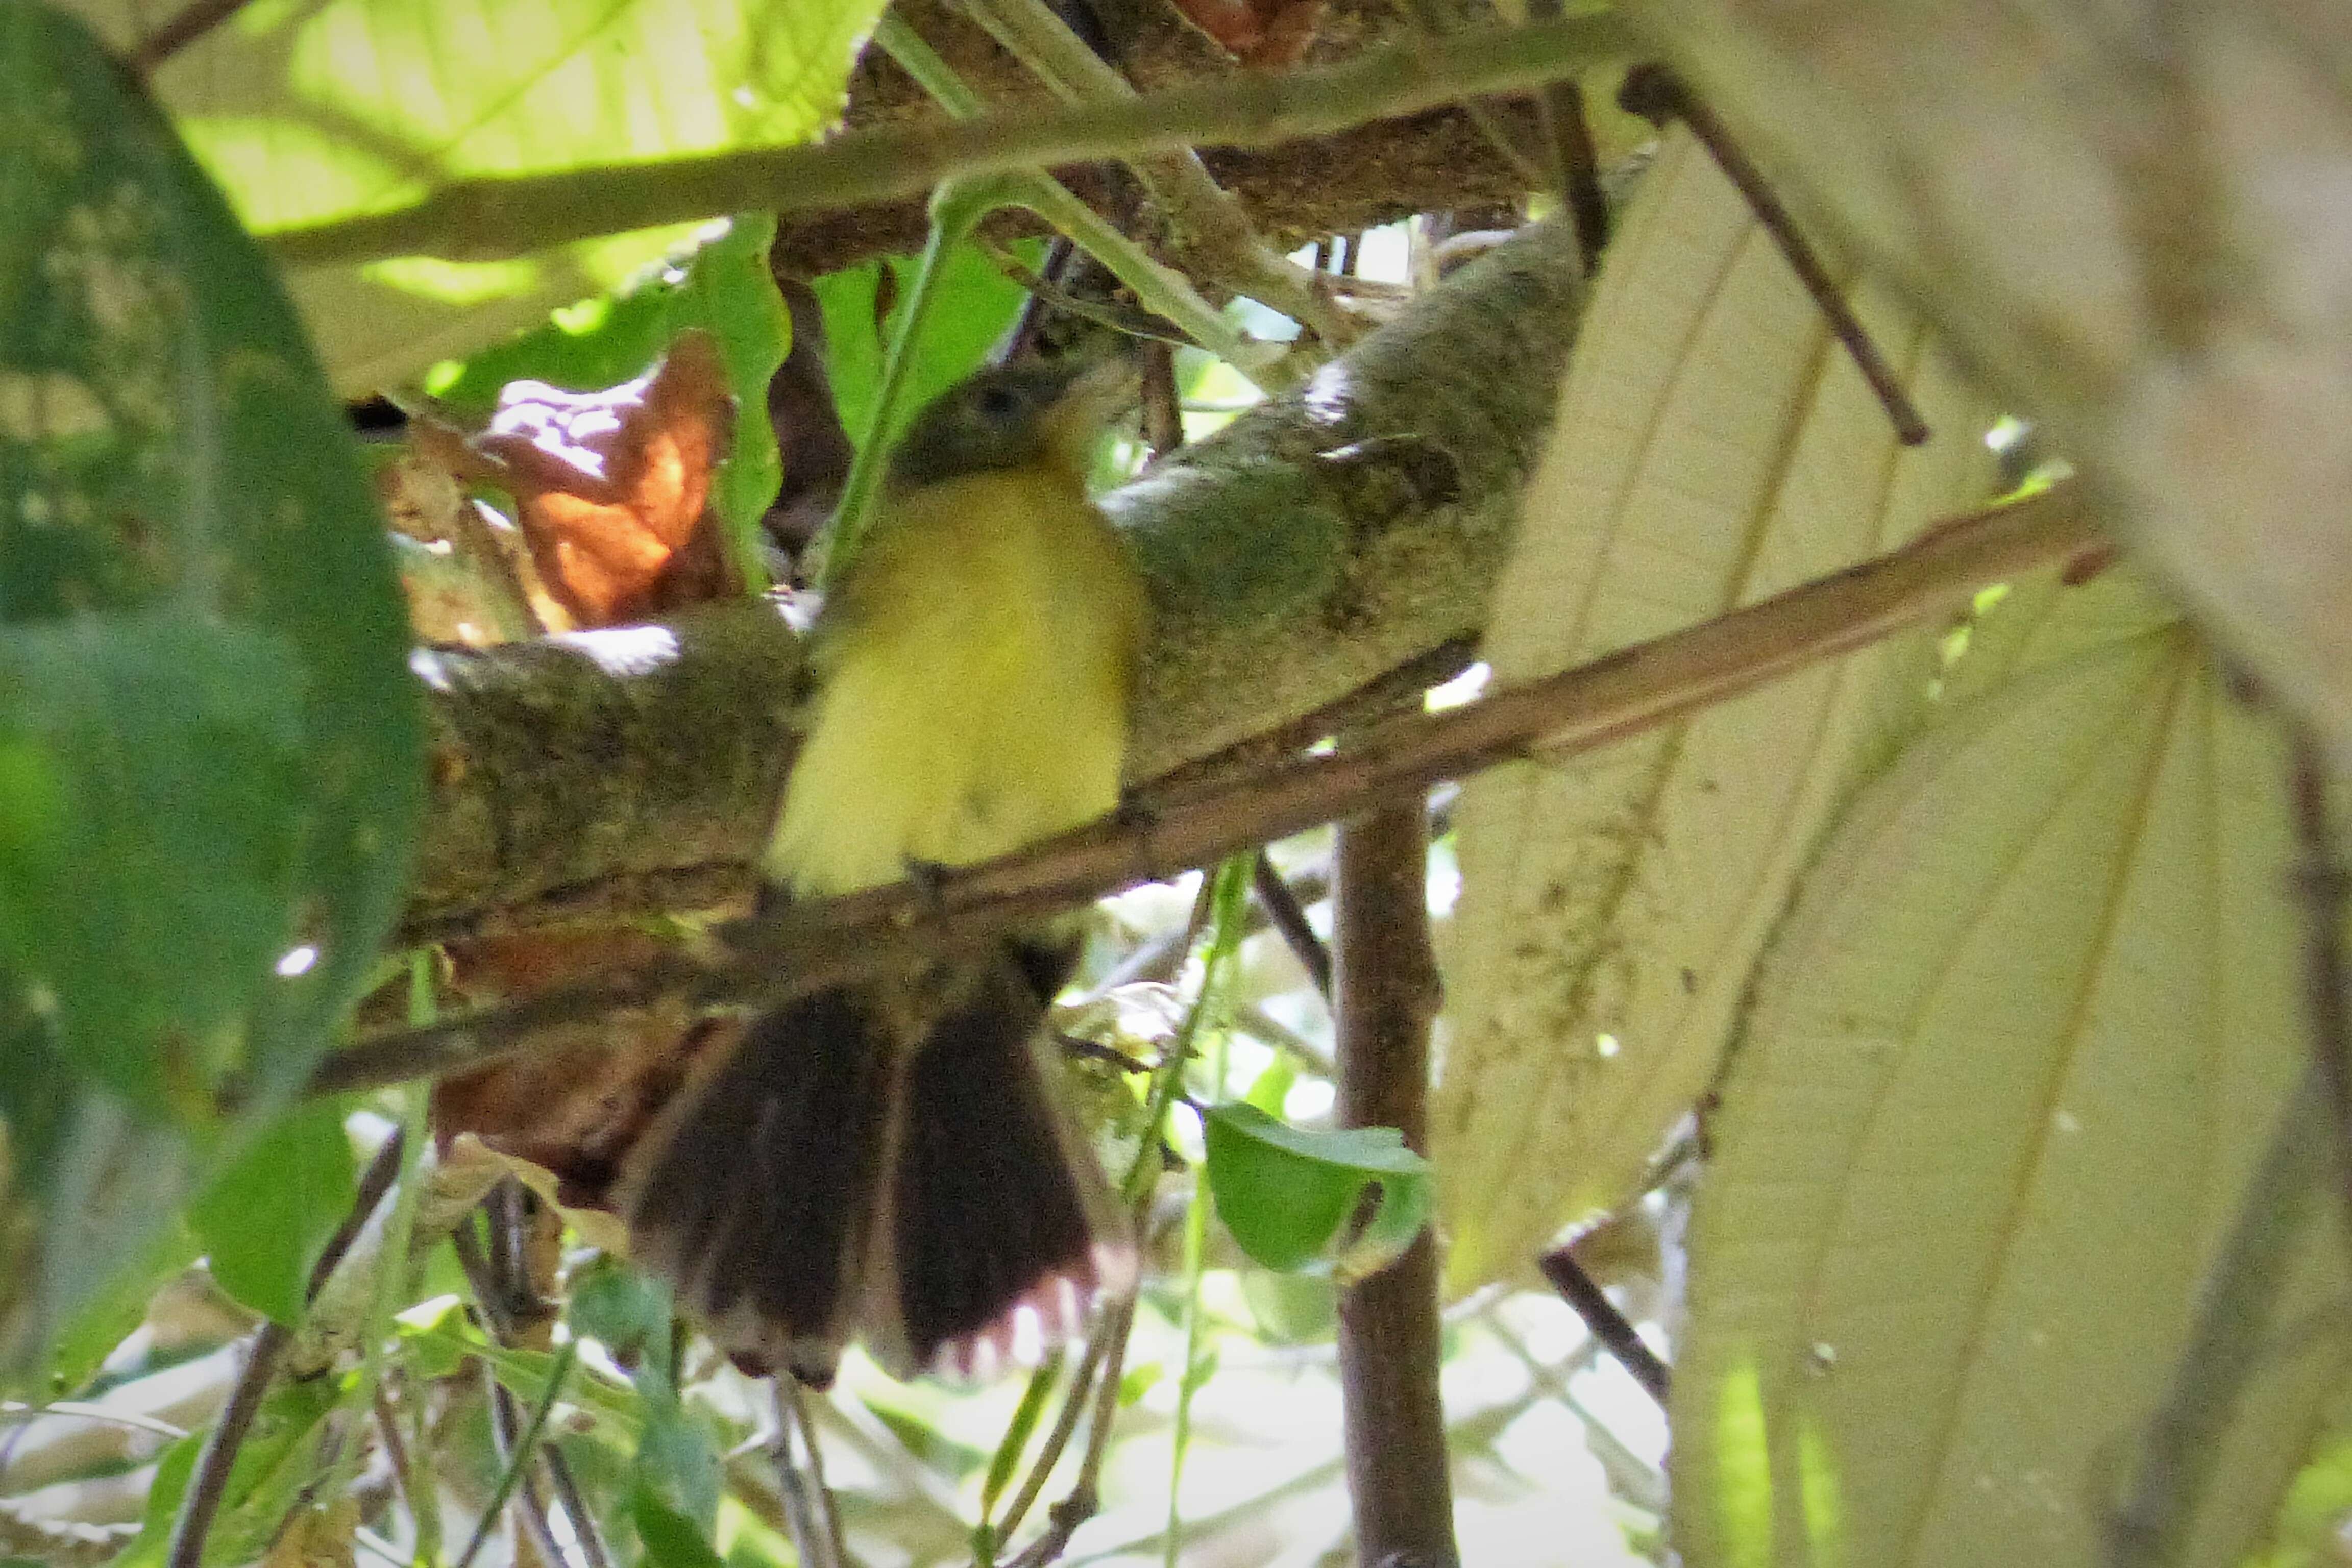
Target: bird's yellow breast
(974,674)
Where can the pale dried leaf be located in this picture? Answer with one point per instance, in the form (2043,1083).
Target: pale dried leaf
(2137,219)
(1713,447)
(2011,1061)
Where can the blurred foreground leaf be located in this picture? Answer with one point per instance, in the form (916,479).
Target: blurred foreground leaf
(209,740)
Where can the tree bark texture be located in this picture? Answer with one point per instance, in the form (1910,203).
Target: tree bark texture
(1318,544)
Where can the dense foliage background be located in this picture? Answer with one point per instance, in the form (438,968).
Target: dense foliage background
(1831,751)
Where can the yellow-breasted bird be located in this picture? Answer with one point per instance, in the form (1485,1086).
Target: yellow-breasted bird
(887,1160)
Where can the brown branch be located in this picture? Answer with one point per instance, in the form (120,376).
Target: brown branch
(492,219)
(1621,694)
(190,22)
(1390,1336)
(1284,912)
(2323,885)
(1657,95)
(208,1484)
(1608,1326)
(1306,552)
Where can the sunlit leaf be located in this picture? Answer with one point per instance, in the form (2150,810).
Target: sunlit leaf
(2010,1064)
(612,487)
(313,112)
(725,289)
(1715,445)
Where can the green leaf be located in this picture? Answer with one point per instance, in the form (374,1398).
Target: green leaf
(2011,1061)
(115,1308)
(210,743)
(264,1219)
(1286,1193)
(678,1463)
(1714,446)
(623,1308)
(975,304)
(671,1539)
(724,286)
(278,1458)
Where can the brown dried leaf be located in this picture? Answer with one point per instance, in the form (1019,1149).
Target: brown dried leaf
(611,487)
(577,1102)
(1264,35)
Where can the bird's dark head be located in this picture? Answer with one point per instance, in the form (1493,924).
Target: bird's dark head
(1012,416)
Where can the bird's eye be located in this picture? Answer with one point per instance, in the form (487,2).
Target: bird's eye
(998,404)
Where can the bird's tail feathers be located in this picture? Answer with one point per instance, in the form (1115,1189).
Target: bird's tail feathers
(901,1171)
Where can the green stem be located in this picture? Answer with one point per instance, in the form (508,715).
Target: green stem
(490,219)
(956,210)
(1159,289)
(526,1448)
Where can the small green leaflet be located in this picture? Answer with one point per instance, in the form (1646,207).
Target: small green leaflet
(1287,1193)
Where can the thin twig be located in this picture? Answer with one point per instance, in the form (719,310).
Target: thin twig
(192,22)
(515,1478)
(493,219)
(208,1484)
(808,1504)
(1161,289)
(2323,885)
(404,1474)
(1624,693)
(1607,1324)
(200,1504)
(2233,1311)
(1213,236)
(1284,912)
(1113,317)
(1084,1499)
(585,1530)
(490,1274)
(1074,1402)
(1657,95)
(1163,413)
(1390,1339)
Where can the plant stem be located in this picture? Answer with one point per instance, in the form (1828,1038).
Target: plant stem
(490,219)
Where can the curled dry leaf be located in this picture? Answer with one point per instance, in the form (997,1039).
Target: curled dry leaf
(1264,35)
(1713,447)
(2012,1057)
(612,487)
(572,1107)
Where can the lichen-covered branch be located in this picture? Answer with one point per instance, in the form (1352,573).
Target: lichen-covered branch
(1316,543)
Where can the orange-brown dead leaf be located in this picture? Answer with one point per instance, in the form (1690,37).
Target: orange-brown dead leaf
(573,1106)
(1264,35)
(612,487)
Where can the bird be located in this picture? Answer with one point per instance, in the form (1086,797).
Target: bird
(886,1161)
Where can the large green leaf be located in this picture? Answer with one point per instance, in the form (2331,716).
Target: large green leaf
(976,303)
(1715,445)
(209,739)
(2009,1066)
(262,1220)
(308,113)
